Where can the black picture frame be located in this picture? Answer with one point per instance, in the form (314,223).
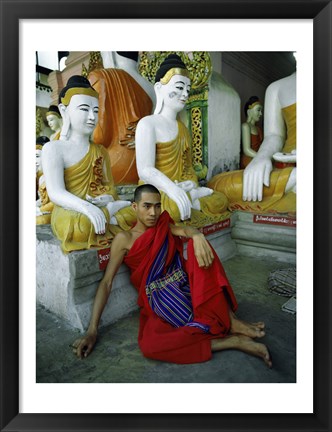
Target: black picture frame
(11,12)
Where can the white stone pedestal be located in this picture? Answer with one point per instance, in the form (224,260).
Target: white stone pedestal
(265,236)
(66,283)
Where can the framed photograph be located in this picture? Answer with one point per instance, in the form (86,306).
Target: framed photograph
(27,405)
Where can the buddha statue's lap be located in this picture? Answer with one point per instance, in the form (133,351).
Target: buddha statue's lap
(46,206)
(275,199)
(74,229)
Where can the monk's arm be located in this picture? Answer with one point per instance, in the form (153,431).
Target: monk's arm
(83,346)
(202,248)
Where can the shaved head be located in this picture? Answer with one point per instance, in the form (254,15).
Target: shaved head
(144,188)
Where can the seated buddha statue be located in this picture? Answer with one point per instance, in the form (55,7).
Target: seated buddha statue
(268,183)
(87,212)
(251,133)
(44,206)
(54,121)
(124,98)
(164,155)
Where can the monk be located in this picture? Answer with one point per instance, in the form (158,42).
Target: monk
(187,307)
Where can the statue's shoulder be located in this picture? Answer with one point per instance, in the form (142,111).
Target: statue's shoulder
(148,123)
(53,147)
(245,126)
(280,84)
(149,120)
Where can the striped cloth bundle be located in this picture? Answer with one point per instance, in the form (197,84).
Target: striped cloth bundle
(169,293)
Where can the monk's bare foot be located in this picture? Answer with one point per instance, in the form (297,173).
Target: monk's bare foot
(254,348)
(260,325)
(244,344)
(253,330)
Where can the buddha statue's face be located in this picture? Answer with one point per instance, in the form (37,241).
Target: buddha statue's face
(82,112)
(38,160)
(256,112)
(54,122)
(176,92)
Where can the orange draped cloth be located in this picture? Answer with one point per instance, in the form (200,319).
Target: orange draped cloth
(122,103)
(211,295)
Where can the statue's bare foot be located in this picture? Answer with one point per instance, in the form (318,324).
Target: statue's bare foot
(244,344)
(253,330)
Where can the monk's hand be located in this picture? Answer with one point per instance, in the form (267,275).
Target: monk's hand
(202,250)
(82,347)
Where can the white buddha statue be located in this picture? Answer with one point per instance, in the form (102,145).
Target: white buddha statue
(78,176)
(54,121)
(163,152)
(268,183)
(279,125)
(251,133)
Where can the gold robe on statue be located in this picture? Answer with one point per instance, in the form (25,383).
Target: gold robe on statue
(174,159)
(274,198)
(46,205)
(73,229)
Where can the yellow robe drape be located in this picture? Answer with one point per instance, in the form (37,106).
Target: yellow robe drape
(73,229)
(174,159)
(274,198)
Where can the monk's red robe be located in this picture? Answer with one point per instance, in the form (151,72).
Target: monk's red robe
(211,293)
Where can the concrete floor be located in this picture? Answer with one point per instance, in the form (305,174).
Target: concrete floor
(117,358)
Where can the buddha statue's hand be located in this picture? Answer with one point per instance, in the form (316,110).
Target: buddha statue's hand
(255,176)
(97,218)
(100,201)
(180,197)
(115,206)
(186,185)
(285,157)
(200,192)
